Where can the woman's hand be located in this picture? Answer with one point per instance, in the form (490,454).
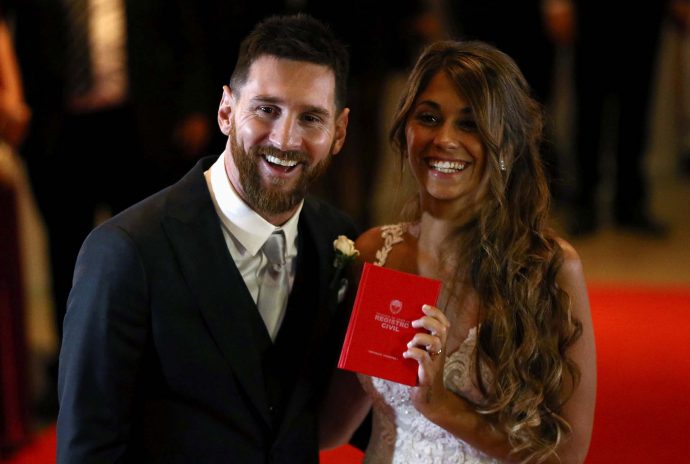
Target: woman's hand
(428,349)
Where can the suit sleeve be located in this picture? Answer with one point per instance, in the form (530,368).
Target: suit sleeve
(105,331)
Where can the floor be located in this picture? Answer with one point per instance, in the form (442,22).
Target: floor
(615,256)
(621,257)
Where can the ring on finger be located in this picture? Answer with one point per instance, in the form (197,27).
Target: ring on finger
(433,354)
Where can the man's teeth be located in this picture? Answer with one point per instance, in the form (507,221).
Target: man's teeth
(448,167)
(281,162)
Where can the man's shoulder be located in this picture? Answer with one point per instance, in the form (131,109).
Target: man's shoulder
(325,214)
(183,199)
(147,210)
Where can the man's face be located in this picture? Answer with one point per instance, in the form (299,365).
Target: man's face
(283,128)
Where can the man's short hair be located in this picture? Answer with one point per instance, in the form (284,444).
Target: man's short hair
(298,37)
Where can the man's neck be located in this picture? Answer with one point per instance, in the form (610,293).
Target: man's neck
(279,219)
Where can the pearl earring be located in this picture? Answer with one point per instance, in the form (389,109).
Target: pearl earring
(501,164)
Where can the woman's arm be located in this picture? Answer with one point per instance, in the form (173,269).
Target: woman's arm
(457,416)
(579,410)
(345,407)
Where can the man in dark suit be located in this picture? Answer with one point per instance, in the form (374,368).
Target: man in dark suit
(170,352)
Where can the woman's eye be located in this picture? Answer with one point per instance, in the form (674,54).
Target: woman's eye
(468,125)
(427,118)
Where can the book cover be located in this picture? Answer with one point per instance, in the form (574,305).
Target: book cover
(380,327)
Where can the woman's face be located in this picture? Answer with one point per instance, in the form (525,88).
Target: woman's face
(444,149)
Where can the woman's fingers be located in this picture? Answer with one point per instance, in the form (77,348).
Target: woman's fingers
(436,325)
(434,320)
(426,347)
(425,372)
(428,342)
(436,313)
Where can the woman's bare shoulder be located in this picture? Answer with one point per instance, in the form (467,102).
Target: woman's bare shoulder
(572,264)
(369,243)
(571,278)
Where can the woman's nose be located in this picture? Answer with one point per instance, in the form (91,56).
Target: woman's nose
(446,137)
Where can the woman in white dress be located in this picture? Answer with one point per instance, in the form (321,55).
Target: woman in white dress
(507,369)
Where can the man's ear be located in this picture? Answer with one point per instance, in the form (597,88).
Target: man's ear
(341,129)
(225,110)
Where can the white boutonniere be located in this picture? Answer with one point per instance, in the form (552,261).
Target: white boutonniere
(345,251)
(345,254)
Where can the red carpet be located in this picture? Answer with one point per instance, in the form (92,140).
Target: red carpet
(42,451)
(643,397)
(643,400)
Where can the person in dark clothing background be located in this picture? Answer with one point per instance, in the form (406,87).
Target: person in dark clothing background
(615,49)
(524,31)
(101,136)
(111,85)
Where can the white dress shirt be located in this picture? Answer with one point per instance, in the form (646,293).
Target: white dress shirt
(245,231)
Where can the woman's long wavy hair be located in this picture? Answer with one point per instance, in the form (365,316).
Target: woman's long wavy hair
(509,255)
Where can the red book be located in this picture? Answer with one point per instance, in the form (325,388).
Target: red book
(380,326)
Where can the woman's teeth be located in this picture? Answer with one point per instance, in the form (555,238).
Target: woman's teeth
(447,167)
(280,162)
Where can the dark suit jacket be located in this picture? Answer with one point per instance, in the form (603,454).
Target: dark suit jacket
(164,356)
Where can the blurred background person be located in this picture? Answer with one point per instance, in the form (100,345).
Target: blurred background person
(417,23)
(680,18)
(14,112)
(525,31)
(14,117)
(108,82)
(384,37)
(615,48)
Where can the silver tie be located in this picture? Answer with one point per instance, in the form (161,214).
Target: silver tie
(275,284)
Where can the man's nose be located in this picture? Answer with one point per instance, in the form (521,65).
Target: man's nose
(287,134)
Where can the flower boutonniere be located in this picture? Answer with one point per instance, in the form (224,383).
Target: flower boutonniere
(345,254)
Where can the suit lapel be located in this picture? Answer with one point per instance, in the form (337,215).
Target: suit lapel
(321,234)
(228,309)
(312,227)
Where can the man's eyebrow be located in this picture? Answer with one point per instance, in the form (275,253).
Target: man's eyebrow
(318,110)
(266,99)
(273,100)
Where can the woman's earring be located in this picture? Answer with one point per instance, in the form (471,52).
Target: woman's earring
(501,164)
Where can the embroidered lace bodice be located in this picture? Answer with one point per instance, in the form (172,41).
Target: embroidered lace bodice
(401,434)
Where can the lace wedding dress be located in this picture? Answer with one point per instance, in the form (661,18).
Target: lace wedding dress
(402,435)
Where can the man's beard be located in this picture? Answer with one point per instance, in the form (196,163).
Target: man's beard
(267,199)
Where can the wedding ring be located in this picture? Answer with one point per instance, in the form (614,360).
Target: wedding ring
(435,353)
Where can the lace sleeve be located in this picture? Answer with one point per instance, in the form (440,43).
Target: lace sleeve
(391,235)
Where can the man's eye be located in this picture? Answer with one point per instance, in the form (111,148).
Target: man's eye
(310,118)
(266,109)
